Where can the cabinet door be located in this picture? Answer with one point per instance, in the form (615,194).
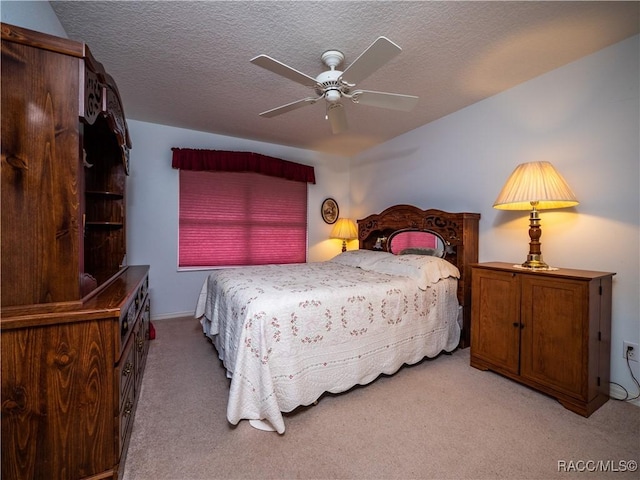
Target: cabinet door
(57,400)
(554,348)
(41,209)
(495,327)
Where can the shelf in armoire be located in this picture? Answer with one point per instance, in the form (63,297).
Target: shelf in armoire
(115,195)
(105,224)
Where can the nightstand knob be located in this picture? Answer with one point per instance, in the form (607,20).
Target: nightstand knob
(516,324)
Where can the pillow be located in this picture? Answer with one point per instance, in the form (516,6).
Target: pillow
(359,258)
(422,251)
(424,269)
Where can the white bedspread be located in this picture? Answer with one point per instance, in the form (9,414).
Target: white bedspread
(288,333)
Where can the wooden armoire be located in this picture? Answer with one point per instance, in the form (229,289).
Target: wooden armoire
(74,318)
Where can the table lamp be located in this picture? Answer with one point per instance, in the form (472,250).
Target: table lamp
(535,186)
(344,229)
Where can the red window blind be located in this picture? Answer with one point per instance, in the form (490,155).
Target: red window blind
(239,218)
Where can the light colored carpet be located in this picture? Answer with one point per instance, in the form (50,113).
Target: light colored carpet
(439,419)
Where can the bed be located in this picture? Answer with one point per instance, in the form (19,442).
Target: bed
(286,334)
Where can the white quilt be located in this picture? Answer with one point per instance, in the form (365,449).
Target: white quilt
(288,333)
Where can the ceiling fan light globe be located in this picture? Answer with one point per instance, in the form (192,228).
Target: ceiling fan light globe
(332,96)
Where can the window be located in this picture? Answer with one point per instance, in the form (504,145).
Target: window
(240,218)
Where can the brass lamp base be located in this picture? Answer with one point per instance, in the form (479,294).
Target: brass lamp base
(344,245)
(534,261)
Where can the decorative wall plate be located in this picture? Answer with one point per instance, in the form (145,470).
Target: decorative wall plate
(330,210)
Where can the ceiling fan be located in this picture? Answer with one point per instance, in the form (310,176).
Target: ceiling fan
(334,85)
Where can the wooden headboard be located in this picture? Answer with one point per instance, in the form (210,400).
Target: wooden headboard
(459,230)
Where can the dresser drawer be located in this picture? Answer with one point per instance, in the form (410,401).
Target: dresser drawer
(126,414)
(127,371)
(142,340)
(132,310)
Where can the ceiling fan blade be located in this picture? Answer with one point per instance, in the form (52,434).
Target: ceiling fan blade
(393,101)
(337,118)
(290,106)
(374,57)
(286,71)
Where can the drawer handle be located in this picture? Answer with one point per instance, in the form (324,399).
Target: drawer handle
(127,369)
(128,408)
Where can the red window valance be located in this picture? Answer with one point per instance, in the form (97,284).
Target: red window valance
(226,161)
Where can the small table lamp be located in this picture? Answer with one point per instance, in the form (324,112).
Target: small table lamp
(345,229)
(535,185)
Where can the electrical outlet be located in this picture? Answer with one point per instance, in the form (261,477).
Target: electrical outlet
(630,350)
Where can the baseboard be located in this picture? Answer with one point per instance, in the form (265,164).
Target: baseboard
(617,392)
(170,316)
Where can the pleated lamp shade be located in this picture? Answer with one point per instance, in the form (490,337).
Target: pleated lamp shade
(535,183)
(344,229)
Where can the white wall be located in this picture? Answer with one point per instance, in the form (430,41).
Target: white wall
(38,16)
(152,206)
(584,119)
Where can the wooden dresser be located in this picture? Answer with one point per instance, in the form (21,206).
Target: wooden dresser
(74,319)
(550,330)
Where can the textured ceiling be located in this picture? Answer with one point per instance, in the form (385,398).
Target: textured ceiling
(186,64)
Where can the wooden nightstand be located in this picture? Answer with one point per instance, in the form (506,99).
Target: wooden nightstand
(550,330)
